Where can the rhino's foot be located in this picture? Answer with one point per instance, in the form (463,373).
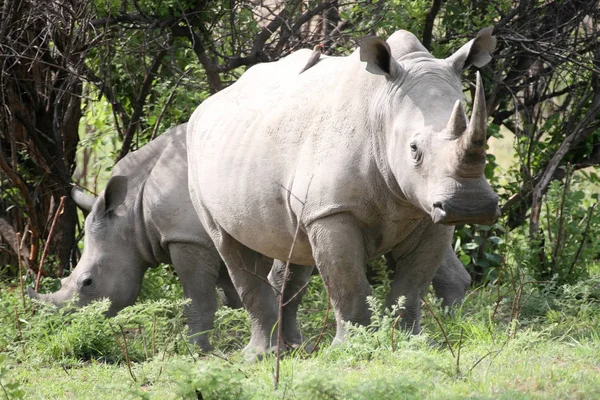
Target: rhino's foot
(253,353)
(201,342)
(303,347)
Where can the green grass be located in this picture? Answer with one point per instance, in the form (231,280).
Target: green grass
(554,353)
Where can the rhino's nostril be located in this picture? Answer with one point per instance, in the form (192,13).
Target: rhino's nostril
(438,204)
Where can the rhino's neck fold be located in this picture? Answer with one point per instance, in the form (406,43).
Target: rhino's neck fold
(381,125)
(143,232)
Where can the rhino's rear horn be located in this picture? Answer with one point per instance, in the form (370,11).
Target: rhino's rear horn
(477,126)
(458,121)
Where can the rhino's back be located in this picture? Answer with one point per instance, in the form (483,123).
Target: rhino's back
(257,153)
(158,192)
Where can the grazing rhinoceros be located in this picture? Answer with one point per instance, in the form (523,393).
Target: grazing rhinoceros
(362,160)
(145,217)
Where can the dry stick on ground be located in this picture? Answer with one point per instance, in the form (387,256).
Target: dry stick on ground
(59,211)
(153,335)
(20,269)
(124,349)
(458,351)
(165,350)
(440,325)
(488,354)
(498,281)
(325,320)
(19,329)
(394,330)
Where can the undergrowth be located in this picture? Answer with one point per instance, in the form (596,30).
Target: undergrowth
(470,351)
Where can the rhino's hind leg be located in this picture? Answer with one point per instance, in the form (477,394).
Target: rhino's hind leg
(228,295)
(339,252)
(248,271)
(298,278)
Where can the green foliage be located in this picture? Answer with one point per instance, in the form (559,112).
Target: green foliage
(215,381)
(161,283)
(365,342)
(10,389)
(556,327)
(566,244)
(231,329)
(69,335)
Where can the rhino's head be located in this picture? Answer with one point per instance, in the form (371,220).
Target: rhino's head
(109,266)
(436,155)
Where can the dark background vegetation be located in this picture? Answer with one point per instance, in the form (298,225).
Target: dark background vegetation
(83,83)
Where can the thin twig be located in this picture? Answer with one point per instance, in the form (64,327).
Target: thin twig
(124,349)
(165,350)
(19,329)
(167,103)
(499,299)
(394,330)
(561,219)
(153,335)
(59,211)
(20,269)
(297,293)
(440,325)
(282,292)
(326,318)
(584,238)
(458,351)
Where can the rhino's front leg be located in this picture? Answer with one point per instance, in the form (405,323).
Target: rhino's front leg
(451,280)
(415,269)
(339,251)
(197,268)
(298,278)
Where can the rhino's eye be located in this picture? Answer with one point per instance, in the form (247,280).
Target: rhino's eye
(413,147)
(86,282)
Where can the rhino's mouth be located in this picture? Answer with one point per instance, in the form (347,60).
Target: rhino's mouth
(438,215)
(445,216)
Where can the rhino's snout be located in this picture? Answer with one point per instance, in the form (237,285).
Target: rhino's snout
(484,212)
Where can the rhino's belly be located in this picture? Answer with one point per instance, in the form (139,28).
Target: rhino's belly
(263,226)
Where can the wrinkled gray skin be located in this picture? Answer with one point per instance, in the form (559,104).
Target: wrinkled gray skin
(145,217)
(152,224)
(368,153)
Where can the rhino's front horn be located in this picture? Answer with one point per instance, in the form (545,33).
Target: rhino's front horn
(49,298)
(477,126)
(32,293)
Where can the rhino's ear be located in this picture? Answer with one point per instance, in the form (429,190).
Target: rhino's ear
(83,200)
(114,195)
(378,56)
(476,52)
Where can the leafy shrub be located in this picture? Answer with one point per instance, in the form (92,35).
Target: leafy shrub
(365,342)
(70,334)
(10,389)
(231,329)
(214,381)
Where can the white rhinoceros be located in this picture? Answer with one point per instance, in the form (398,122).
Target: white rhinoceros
(155,222)
(366,154)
